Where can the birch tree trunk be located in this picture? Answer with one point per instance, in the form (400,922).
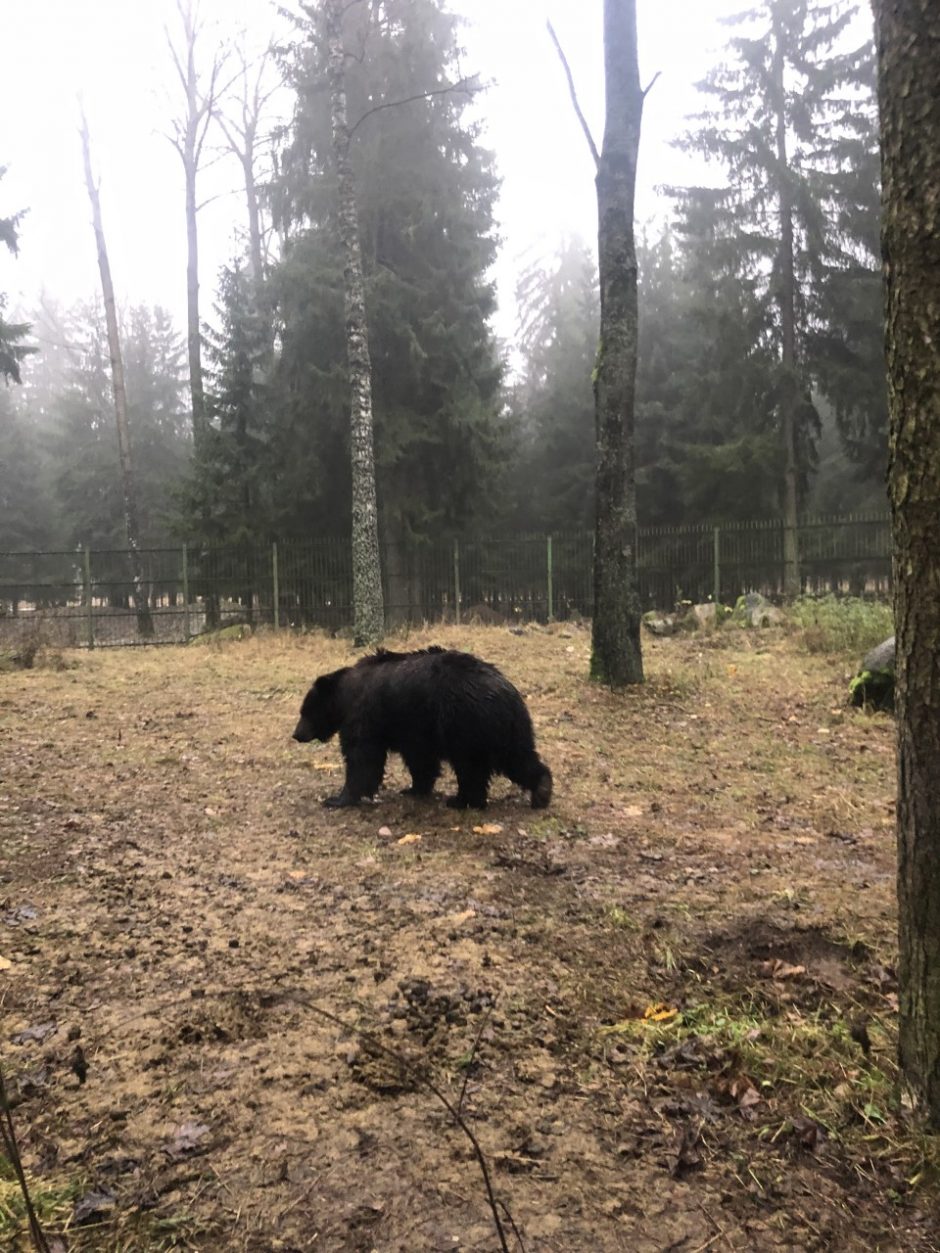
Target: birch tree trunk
(616,658)
(908,36)
(786,301)
(131,525)
(368,606)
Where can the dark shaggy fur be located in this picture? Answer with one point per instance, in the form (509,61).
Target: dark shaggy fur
(431,706)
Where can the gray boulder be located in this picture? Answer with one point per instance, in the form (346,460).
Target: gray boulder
(660,623)
(874,683)
(754,610)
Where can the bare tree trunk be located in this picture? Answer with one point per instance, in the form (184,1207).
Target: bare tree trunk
(908,33)
(368,607)
(241,134)
(193,331)
(616,658)
(188,138)
(786,299)
(131,525)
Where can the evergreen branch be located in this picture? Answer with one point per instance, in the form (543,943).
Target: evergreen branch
(574,95)
(465,85)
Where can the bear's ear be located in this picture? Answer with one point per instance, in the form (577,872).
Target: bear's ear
(327,684)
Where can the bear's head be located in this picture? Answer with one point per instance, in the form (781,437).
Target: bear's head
(321,713)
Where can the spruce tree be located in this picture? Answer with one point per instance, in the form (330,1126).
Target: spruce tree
(12,334)
(230,485)
(554,474)
(425,192)
(792,128)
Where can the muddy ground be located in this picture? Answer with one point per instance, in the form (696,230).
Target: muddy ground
(665,1008)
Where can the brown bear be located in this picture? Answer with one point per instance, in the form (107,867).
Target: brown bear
(431,706)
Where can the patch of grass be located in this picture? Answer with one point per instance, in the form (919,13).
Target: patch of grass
(794,1066)
(833,624)
(53,1205)
(623,918)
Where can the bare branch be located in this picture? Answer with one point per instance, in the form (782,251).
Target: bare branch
(649,87)
(574,95)
(465,85)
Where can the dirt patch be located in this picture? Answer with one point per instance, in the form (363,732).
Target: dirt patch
(233,1020)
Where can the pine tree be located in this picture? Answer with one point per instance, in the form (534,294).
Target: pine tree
(229,489)
(425,194)
(792,127)
(554,473)
(12,334)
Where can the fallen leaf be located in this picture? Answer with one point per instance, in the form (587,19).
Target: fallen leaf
(411,838)
(385,831)
(38,1033)
(488,828)
(456,919)
(324,765)
(92,1207)
(187,1141)
(659,1012)
(5,963)
(296,874)
(779,969)
(633,811)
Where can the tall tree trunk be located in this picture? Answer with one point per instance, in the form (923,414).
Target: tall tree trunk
(368,607)
(241,134)
(786,299)
(193,331)
(616,658)
(188,137)
(908,33)
(131,525)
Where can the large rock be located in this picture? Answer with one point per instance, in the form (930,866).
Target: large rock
(660,623)
(754,610)
(874,683)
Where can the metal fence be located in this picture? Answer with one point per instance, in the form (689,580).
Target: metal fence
(84,598)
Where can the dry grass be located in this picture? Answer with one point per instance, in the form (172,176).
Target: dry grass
(671,997)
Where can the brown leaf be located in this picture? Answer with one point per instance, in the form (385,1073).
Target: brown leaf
(188,1141)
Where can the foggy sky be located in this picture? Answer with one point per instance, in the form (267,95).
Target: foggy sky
(113,53)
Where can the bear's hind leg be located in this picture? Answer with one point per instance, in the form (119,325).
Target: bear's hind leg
(473,779)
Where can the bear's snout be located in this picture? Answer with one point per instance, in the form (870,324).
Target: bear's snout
(302,732)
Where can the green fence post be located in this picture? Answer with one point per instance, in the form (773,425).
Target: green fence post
(548,560)
(457,582)
(88,604)
(717,570)
(276,591)
(187,625)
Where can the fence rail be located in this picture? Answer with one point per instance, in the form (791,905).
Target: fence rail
(84,598)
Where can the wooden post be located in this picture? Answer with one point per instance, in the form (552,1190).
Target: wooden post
(187,625)
(548,560)
(88,605)
(717,567)
(457,582)
(276,591)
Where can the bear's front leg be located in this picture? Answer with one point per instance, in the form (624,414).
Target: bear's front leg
(365,768)
(425,770)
